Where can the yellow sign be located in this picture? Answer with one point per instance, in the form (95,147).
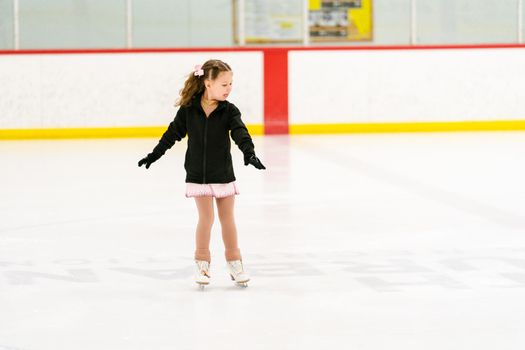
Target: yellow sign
(314,5)
(361,21)
(342,20)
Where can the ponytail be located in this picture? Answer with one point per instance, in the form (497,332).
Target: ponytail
(194,84)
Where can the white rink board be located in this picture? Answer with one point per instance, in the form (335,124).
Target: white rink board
(325,86)
(114,90)
(406,85)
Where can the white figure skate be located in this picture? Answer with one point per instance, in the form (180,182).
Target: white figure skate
(202,275)
(237,273)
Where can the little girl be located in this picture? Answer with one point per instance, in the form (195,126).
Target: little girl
(208,119)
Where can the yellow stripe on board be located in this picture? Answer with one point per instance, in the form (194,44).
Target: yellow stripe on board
(88,133)
(501,125)
(257,129)
(79,133)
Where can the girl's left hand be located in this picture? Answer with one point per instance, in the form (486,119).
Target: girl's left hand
(253,160)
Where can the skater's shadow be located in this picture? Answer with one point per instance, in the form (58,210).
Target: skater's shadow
(211,289)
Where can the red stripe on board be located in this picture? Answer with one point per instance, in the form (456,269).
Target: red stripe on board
(276,91)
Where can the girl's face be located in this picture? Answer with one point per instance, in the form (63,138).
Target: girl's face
(220,88)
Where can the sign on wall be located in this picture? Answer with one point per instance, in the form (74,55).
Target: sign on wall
(345,20)
(273,21)
(267,21)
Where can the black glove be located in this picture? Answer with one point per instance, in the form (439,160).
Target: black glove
(150,158)
(253,160)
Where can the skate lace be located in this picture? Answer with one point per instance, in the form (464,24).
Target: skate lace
(236,266)
(204,268)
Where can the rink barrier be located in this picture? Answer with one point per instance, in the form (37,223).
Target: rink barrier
(276,99)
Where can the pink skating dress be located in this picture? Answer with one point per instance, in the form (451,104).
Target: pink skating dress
(211,190)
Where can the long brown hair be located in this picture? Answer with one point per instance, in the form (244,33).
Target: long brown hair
(195,84)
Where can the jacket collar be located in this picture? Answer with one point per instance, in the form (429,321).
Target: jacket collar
(196,101)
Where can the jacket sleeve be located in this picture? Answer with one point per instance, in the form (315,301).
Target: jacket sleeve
(240,134)
(176,131)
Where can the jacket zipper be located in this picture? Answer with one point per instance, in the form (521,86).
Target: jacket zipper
(204,151)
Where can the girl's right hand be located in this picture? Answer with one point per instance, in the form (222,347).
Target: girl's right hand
(149,159)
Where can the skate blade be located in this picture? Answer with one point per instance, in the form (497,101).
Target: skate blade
(233,279)
(240,283)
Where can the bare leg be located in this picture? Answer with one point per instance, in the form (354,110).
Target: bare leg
(203,234)
(229,230)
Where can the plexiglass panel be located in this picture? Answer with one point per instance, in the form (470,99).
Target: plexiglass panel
(522,14)
(64,24)
(391,22)
(211,23)
(6,25)
(467,21)
(72,24)
(167,24)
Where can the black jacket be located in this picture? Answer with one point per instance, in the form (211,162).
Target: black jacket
(208,158)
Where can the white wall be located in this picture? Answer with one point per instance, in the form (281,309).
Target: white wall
(105,90)
(406,85)
(325,87)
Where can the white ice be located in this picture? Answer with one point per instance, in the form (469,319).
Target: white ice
(378,241)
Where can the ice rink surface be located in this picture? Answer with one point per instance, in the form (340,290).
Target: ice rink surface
(379,241)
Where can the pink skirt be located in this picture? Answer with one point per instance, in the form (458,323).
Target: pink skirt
(211,190)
